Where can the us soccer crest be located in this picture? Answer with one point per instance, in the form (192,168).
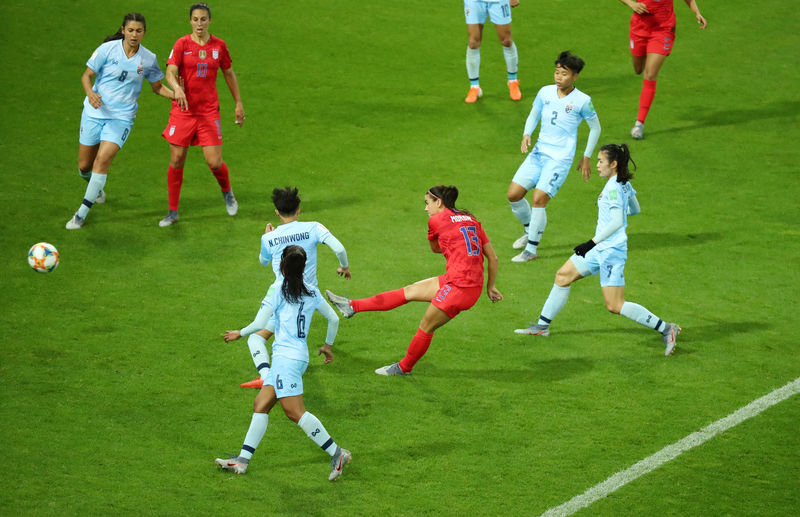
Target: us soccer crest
(202,54)
(215,54)
(171,130)
(568,108)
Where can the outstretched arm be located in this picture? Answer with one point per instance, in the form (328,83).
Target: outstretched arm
(594,135)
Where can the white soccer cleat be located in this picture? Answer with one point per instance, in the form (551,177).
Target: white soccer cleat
(75,223)
(341,303)
(535,330)
(170,219)
(637,131)
(525,256)
(670,336)
(231,205)
(233,464)
(521,242)
(338,461)
(391,370)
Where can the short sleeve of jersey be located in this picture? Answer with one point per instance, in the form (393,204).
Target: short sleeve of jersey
(176,54)
(153,72)
(616,199)
(537,102)
(224,57)
(482,235)
(98,58)
(433,229)
(587,110)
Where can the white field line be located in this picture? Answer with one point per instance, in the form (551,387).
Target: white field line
(672,451)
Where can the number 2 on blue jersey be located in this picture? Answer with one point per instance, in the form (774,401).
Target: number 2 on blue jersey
(553,120)
(470,234)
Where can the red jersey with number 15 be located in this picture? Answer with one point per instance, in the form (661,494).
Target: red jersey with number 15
(461,238)
(197,66)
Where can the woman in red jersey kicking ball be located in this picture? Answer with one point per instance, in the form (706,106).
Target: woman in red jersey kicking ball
(460,238)
(652,35)
(194,120)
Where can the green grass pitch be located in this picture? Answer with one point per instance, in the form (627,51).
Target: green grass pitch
(117,391)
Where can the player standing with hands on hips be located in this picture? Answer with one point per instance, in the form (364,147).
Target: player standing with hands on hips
(121,64)
(499,11)
(561,108)
(652,34)
(293,305)
(194,120)
(606,253)
(460,238)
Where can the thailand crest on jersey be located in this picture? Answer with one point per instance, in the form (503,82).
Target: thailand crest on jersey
(215,54)
(140,69)
(568,108)
(201,54)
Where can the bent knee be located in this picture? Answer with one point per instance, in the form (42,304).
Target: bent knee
(293,416)
(613,308)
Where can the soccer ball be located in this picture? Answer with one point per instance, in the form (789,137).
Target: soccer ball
(43,257)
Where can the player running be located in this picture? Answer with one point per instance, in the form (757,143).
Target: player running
(652,34)
(120,65)
(460,238)
(292,306)
(499,11)
(307,235)
(561,108)
(606,253)
(194,120)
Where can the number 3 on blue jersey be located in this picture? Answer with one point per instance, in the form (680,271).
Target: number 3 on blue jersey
(470,234)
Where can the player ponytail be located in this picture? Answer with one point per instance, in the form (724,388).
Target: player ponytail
(622,155)
(447,194)
(200,5)
(130,17)
(293,263)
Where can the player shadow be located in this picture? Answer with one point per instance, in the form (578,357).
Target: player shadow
(701,118)
(654,240)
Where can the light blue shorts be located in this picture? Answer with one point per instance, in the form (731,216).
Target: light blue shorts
(610,263)
(93,130)
(540,171)
(286,376)
(476,11)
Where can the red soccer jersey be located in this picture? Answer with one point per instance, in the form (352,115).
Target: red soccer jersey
(660,17)
(461,239)
(197,66)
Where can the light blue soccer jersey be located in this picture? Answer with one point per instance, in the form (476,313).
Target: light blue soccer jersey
(306,234)
(292,321)
(119,79)
(558,133)
(614,196)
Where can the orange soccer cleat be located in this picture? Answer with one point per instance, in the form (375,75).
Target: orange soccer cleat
(513,90)
(258,382)
(474,94)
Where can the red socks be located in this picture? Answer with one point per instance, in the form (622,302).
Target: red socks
(646,99)
(222,177)
(174,182)
(380,302)
(419,345)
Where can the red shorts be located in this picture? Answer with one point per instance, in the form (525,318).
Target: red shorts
(646,41)
(452,299)
(193,130)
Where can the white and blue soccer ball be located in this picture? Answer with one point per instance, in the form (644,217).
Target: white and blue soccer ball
(43,257)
